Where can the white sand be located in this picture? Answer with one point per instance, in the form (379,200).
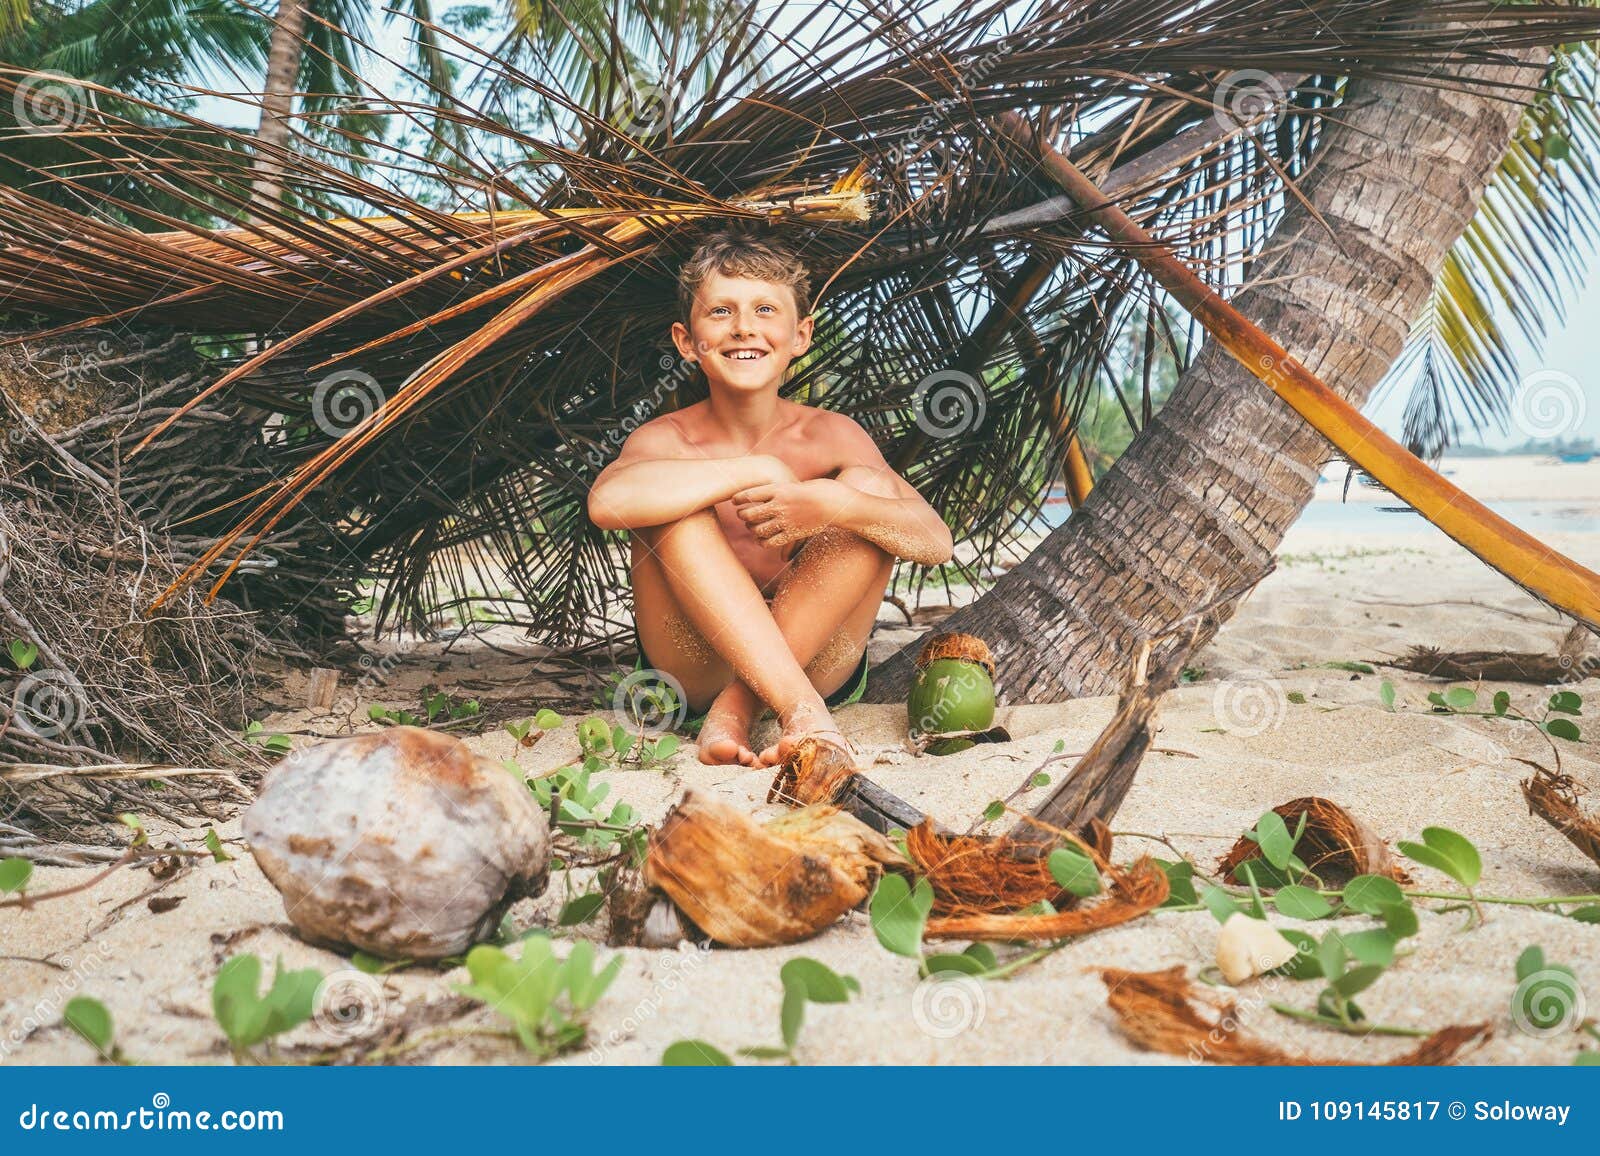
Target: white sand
(1333,598)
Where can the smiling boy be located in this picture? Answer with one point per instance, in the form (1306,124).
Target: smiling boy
(763,531)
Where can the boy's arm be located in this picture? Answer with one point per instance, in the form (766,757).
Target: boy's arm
(868,499)
(658,479)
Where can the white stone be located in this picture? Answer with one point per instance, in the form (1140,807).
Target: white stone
(1249,947)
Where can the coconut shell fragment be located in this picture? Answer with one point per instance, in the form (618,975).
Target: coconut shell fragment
(814,772)
(1162,1011)
(1553,796)
(748,885)
(404,843)
(1335,845)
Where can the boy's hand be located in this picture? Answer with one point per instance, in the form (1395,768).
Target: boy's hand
(781,515)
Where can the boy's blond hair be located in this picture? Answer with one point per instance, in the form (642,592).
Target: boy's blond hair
(736,255)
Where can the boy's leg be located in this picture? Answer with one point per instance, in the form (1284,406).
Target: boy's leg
(826,604)
(686,574)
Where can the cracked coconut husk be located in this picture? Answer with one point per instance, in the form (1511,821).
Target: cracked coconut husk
(963,647)
(748,885)
(1553,796)
(1336,845)
(1133,892)
(1160,1011)
(976,875)
(814,772)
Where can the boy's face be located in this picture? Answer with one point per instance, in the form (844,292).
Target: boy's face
(743,332)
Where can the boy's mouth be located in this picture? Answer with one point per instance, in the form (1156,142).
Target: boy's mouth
(744,354)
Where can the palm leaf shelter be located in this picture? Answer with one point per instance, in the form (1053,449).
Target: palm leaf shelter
(443,340)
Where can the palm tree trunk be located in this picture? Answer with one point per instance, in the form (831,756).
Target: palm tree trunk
(277,97)
(1199,502)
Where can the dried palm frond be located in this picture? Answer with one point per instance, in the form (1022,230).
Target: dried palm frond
(1523,251)
(1161,1011)
(496,366)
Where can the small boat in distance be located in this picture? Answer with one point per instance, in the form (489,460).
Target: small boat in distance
(1576,457)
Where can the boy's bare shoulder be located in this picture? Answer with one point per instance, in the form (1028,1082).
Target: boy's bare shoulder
(660,437)
(839,433)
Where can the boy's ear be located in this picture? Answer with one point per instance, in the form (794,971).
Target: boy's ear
(803,329)
(685,344)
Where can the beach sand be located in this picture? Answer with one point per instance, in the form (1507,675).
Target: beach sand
(1359,586)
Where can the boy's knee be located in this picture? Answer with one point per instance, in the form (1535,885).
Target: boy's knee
(700,521)
(869,480)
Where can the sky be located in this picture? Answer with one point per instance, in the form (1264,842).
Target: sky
(1559,394)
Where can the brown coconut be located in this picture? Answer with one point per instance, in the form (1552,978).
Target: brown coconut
(748,885)
(964,647)
(404,843)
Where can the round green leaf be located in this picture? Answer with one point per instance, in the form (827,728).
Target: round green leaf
(14,874)
(1369,894)
(90,1019)
(1299,902)
(694,1054)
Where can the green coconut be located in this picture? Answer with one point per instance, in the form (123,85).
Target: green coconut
(953,689)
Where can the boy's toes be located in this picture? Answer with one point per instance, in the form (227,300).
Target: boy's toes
(722,752)
(749,758)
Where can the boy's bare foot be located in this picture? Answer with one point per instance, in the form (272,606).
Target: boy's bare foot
(800,724)
(725,735)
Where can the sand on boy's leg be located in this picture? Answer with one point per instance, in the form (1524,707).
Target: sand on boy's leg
(815,630)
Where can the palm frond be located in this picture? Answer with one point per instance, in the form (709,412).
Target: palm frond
(1512,269)
(504,345)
